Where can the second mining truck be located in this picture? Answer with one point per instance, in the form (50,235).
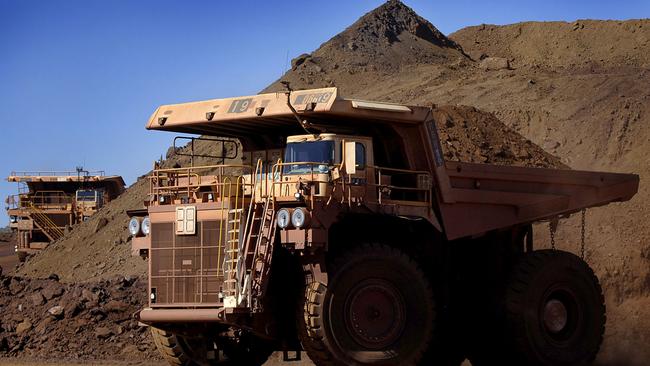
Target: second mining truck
(340,230)
(49,202)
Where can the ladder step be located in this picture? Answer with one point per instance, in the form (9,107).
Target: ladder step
(233,230)
(236,210)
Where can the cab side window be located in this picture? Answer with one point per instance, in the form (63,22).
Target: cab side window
(360,156)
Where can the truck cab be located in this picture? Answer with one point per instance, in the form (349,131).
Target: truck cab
(88,201)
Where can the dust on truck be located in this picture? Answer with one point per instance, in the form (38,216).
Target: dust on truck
(341,231)
(48,202)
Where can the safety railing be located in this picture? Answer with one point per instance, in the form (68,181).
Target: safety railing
(42,220)
(43,200)
(195,184)
(422,188)
(280,171)
(54,173)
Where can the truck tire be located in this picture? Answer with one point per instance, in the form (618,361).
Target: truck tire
(555,311)
(181,351)
(377,309)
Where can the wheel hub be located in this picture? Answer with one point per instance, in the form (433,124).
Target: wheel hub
(375,315)
(556,316)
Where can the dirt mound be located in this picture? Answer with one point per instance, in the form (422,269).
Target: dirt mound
(470,135)
(46,318)
(381,42)
(583,43)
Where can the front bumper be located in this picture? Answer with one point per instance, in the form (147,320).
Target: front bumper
(152,316)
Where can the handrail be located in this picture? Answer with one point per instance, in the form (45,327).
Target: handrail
(194,180)
(41,200)
(48,224)
(54,173)
(277,173)
(381,187)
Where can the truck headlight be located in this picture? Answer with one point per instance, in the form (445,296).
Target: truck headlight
(283,218)
(134,226)
(299,217)
(146,226)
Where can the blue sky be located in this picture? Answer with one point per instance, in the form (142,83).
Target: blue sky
(79,78)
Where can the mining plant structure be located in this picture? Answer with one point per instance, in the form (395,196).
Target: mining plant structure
(339,229)
(50,202)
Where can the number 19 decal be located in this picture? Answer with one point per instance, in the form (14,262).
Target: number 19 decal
(240,105)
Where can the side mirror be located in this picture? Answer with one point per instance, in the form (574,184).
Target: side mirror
(350,158)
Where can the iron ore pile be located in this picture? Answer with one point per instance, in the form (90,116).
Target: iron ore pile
(45,317)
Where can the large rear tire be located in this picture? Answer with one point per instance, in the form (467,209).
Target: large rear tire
(377,310)
(555,313)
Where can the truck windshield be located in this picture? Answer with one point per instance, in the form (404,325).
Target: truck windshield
(86,196)
(309,152)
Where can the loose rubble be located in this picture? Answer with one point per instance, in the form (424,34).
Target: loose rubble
(90,321)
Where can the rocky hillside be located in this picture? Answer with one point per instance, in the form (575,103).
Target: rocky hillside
(381,43)
(46,318)
(565,45)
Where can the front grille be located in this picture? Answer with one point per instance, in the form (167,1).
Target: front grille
(186,269)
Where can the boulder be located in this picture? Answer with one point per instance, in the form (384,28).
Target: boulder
(16,286)
(89,296)
(56,311)
(24,326)
(115,306)
(52,291)
(103,332)
(37,299)
(72,308)
(495,63)
(299,60)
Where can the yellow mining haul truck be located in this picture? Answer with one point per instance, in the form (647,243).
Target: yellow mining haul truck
(345,234)
(49,202)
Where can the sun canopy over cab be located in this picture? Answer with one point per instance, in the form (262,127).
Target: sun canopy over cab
(265,120)
(69,181)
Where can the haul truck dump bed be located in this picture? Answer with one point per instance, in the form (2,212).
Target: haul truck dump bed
(49,202)
(344,212)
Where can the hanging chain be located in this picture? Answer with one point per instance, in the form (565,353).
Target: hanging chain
(582,234)
(552,231)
